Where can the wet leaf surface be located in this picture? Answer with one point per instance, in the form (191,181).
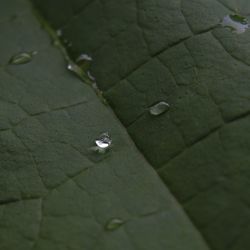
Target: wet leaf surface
(148,51)
(53,195)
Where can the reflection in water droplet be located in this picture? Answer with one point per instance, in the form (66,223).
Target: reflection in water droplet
(113,224)
(22,58)
(159,108)
(103,141)
(236,23)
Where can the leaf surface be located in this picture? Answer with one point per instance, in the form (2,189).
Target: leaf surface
(176,51)
(55,194)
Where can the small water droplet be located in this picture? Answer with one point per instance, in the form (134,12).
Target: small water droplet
(83,57)
(101,150)
(159,108)
(59,32)
(74,68)
(84,61)
(22,58)
(236,23)
(103,141)
(114,224)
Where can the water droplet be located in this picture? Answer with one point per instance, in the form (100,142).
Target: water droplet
(159,108)
(113,224)
(22,58)
(103,141)
(236,23)
(59,32)
(83,57)
(74,68)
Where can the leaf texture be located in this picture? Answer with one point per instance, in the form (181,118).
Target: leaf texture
(54,193)
(148,51)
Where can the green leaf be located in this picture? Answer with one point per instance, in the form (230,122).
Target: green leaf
(150,51)
(55,193)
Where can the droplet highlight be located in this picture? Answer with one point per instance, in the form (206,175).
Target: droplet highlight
(236,23)
(103,141)
(22,58)
(159,108)
(113,224)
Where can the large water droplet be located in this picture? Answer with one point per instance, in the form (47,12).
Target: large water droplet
(113,224)
(101,149)
(159,108)
(236,23)
(22,58)
(103,141)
